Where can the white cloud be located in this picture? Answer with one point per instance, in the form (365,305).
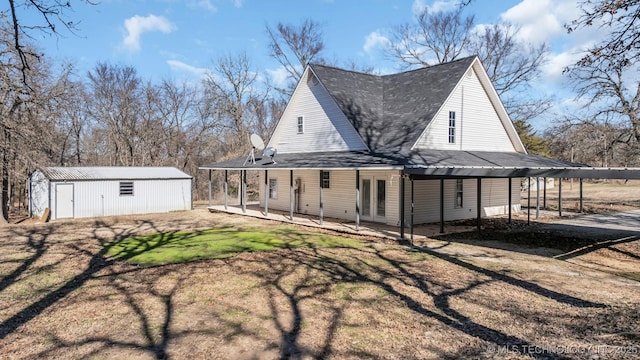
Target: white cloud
(374,41)
(204,4)
(137,25)
(238,3)
(437,6)
(179,65)
(279,76)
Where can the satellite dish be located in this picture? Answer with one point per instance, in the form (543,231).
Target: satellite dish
(270,152)
(256,141)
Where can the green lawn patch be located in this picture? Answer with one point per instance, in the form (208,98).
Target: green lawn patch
(216,243)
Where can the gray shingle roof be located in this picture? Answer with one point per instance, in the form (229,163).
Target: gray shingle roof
(390,112)
(112,173)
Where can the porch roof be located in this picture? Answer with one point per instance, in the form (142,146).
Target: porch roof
(425,163)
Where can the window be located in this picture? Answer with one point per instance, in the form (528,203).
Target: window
(325,179)
(273,188)
(458,203)
(300,124)
(126,188)
(452,127)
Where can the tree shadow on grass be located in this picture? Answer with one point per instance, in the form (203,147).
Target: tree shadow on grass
(291,279)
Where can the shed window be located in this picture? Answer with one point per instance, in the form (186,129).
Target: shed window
(452,127)
(459,194)
(126,188)
(273,188)
(325,179)
(300,124)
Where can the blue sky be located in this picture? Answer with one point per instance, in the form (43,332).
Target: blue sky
(180,39)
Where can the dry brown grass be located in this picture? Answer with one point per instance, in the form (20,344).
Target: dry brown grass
(62,298)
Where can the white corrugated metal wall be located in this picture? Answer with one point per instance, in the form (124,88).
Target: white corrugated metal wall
(102,197)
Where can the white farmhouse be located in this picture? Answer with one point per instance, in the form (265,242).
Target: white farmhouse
(432,144)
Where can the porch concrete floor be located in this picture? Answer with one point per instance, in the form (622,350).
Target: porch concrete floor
(341,225)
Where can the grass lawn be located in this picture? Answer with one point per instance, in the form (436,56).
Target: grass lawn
(217,243)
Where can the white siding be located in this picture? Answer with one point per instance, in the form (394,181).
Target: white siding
(339,199)
(478,126)
(102,198)
(495,194)
(326,128)
(38,193)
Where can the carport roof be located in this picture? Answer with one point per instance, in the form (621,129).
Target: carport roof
(63,173)
(432,163)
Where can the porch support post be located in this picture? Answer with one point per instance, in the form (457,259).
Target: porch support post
(321,197)
(510,195)
(266,193)
(412,209)
(560,197)
(358,200)
(441,206)
(226,189)
(243,174)
(544,194)
(479,204)
(401,205)
(291,194)
(528,201)
(537,198)
(209,187)
(581,198)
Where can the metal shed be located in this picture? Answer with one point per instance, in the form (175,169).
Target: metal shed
(80,192)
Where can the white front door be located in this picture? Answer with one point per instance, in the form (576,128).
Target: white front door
(64,201)
(373,198)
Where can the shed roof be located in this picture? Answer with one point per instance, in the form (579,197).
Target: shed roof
(62,173)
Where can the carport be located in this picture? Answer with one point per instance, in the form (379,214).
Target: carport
(580,172)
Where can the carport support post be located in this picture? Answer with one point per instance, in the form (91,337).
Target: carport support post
(510,190)
(243,175)
(321,197)
(441,206)
(266,193)
(291,194)
(528,201)
(581,202)
(226,189)
(412,209)
(358,202)
(560,197)
(537,198)
(479,204)
(544,194)
(209,187)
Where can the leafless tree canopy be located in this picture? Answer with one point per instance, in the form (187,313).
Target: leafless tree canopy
(295,46)
(605,79)
(434,38)
(618,18)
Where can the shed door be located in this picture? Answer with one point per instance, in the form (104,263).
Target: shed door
(64,201)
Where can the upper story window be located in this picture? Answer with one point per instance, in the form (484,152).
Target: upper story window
(452,127)
(126,188)
(300,124)
(325,179)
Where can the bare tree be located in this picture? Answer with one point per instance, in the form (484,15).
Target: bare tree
(434,38)
(294,47)
(50,13)
(620,19)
